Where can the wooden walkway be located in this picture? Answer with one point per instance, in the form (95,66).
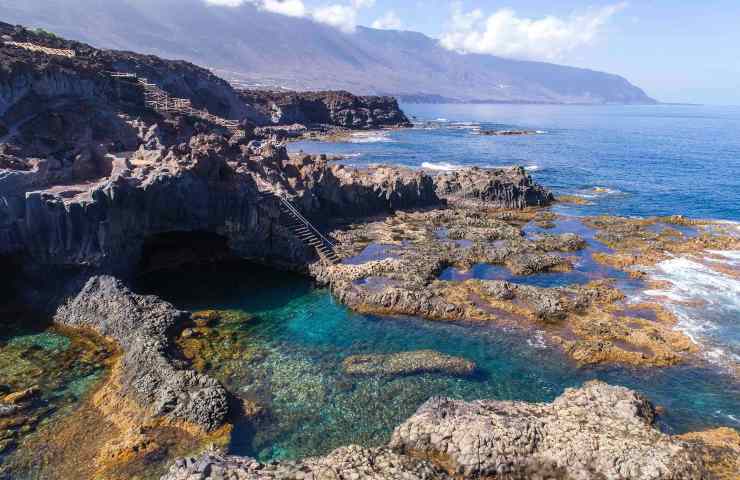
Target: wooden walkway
(161,102)
(40,48)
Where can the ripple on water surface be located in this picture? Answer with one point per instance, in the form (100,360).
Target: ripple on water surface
(299,337)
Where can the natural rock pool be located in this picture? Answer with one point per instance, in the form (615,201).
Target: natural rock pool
(280,343)
(45,371)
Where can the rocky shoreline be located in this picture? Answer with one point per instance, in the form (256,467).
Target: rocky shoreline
(571,437)
(97,188)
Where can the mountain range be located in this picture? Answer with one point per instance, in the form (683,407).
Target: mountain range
(254,48)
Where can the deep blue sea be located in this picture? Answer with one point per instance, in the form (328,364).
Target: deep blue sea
(648,160)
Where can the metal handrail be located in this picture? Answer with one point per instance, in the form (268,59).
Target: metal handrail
(305,221)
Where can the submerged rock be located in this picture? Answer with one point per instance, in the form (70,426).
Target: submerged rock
(506,133)
(407,363)
(21,396)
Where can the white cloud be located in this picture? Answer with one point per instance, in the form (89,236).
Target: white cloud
(389,21)
(505,34)
(291,8)
(225,3)
(338,15)
(343,17)
(358,4)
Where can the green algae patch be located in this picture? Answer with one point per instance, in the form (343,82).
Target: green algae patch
(45,372)
(217,342)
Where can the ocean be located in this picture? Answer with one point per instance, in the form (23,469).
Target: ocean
(630,160)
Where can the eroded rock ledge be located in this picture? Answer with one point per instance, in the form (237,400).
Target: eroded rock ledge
(496,187)
(596,431)
(140,325)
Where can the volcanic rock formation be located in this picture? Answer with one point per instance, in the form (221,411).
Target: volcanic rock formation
(504,188)
(596,431)
(140,325)
(332,108)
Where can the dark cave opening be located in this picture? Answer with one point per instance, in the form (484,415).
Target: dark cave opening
(171,250)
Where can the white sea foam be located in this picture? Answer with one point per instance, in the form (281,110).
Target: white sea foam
(370,137)
(352,155)
(441,167)
(598,192)
(442,120)
(465,126)
(716,299)
(540,132)
(605,190)
(537,340)
(532,168)
(732,255)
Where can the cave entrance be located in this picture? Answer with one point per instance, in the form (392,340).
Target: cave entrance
(172,250)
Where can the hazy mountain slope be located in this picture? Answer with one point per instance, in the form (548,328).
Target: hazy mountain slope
(259,47)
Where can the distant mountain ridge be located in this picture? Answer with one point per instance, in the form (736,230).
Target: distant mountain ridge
(252,48)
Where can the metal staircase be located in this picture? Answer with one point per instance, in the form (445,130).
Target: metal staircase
(304,229)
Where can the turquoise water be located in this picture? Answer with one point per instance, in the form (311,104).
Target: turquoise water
(303,336)
(653,159)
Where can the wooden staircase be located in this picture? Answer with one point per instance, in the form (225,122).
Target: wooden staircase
(161,102)
(304,229)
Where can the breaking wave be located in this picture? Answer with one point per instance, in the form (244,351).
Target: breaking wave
(598,192)
(706,302)
(370,137)
(441,167)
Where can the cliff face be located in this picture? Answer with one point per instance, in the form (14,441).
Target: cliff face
(36,76)
(89,176)
(335,108)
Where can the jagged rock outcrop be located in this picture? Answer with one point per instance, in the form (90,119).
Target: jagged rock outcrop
(347,462)
(499,187)
(141,325)
(34,76)
(90,177)
(105,224)
(328,190)
(597,431)
(208,185)
(331,108)
(594,432)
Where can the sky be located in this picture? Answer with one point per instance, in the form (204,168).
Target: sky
(676,50)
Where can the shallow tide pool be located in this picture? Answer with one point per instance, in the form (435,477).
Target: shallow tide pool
(298,337)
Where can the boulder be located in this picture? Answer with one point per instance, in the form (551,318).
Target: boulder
(597,431)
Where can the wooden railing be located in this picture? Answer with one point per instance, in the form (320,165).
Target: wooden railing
(40,48)
(160,101)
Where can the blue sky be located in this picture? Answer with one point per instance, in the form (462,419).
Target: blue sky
(677,50)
